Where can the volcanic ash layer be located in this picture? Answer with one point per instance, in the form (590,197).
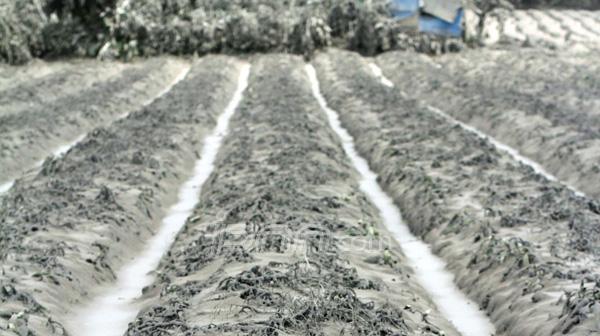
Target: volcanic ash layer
(66,231)
(523,247)
(282,240)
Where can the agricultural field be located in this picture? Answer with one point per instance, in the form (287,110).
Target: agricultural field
(319,186)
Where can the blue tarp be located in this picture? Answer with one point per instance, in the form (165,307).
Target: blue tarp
(434,25)
(404,9)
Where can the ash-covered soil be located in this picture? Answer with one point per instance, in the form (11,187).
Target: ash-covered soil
(544,104)
(39,116)
(65,231)
(283,241)
(524,248)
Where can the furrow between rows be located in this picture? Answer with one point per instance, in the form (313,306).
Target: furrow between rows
(119,303)
(525,248)
(66,231)
(283,241)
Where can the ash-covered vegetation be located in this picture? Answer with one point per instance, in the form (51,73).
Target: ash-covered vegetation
(125,29)
(130,28)
(47,28)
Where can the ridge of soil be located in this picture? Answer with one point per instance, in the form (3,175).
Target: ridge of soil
(56,80)
(30,135)
(541,103)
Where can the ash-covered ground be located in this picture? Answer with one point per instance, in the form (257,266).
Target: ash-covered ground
(284,239)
